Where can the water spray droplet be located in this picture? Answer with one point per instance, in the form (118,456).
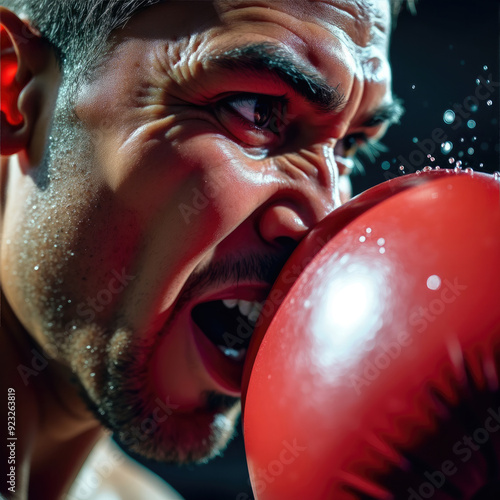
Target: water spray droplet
(489,103)
(446,147)
(471,124)
(451,160)
(449,116)
(470,151)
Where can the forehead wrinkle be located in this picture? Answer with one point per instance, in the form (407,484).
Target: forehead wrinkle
(360,17)
(361,20)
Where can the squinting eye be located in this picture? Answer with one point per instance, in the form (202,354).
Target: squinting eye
(351,143)
(261,110)
(358,145)
(256,119)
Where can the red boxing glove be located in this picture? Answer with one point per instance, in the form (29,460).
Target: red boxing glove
(378,376)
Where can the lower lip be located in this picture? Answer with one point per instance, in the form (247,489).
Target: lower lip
(225,372)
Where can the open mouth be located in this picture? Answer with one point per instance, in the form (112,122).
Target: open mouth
(228,325)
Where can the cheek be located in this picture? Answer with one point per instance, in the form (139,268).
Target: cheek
(186,179)
(68,244)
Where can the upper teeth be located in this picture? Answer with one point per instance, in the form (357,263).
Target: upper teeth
(249,309)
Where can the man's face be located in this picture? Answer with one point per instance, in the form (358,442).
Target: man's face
(204,148)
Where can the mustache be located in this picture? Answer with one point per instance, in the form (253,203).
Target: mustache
(261,268)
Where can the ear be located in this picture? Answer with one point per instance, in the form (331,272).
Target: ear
(24,56)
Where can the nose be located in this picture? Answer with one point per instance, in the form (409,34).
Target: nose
(303,201)
(281,223)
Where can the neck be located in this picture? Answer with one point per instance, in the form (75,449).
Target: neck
(53,429)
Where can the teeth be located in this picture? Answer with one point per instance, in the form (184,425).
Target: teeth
(255,312)
(230,303)
(233,353)
(249,309)
(244,306)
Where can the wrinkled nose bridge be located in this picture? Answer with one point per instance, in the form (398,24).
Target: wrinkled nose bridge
(328,154)
(318,164)
(304,199)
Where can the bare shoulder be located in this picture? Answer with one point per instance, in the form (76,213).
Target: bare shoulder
(109,471)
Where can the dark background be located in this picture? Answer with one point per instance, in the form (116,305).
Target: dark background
(437,56)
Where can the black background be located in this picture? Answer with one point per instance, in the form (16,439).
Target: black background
(437,56)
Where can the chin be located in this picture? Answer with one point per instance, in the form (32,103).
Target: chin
(183,439)
(117,389)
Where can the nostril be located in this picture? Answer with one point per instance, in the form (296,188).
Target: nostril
(286,243)
(282,223)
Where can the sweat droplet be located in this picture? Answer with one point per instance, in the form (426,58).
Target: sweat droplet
(433,282)
(449,116)
(36,268)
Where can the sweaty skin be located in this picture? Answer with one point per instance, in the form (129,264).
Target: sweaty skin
(165,194)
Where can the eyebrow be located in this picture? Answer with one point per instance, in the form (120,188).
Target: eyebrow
(277,61)
(302,79)
(389,113)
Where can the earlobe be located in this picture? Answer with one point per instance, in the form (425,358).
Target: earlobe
(23,54)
